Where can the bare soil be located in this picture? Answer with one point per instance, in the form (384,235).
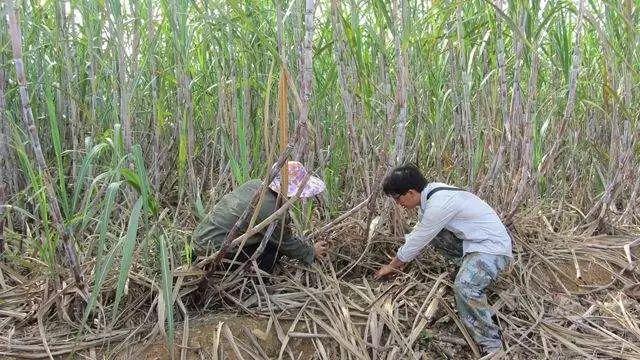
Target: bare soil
(203,332)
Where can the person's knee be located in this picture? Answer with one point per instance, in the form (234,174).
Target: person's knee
(464,289)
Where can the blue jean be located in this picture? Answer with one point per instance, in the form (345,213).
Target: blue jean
(477,271)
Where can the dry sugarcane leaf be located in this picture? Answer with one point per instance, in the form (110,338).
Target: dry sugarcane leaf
(434,297)
(464,331)
(215,347)
(43,336)
(633,291)
(291,328)
(232,341)
(254,342)
(337,337)
(185,330)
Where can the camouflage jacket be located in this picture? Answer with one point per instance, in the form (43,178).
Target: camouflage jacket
(212,231)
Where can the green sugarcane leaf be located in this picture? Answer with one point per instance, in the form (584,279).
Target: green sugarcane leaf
(127,256)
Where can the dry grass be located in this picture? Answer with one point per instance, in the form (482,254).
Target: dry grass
(565,296)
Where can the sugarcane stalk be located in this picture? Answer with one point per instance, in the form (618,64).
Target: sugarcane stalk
(306,79)
(67,76)
(8,173)
(346,77)
(401,95)
(523,187)
(549,158)
(27,117)
(465,105)
(505,135)
(124,92)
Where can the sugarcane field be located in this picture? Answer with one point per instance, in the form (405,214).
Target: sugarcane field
(320,179)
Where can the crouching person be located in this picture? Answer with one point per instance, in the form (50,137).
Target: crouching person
(460,226)
(211,233)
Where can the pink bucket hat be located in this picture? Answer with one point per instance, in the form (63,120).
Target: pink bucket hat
(297,173)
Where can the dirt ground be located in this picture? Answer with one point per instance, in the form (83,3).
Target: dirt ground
(203,335)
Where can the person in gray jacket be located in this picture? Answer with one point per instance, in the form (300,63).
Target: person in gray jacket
(461,226)
(211,233)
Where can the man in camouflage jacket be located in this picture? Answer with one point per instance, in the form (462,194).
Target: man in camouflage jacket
(210,234)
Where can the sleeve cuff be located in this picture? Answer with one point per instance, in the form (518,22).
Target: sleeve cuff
(403,257)
(309,257)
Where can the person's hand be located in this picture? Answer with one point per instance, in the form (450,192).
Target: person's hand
(320,248)
(384,271)
(395,266)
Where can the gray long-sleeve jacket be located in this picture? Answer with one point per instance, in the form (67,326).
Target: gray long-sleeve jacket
(212,231)
(464,214)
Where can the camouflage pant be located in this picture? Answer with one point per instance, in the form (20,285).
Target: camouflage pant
(477,271)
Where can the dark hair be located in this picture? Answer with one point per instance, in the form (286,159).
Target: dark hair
(403,179)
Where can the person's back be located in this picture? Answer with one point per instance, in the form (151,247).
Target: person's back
(213,230)
(210,234)
(474,222)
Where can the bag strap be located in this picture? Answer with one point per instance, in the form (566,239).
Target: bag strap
(433,191)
